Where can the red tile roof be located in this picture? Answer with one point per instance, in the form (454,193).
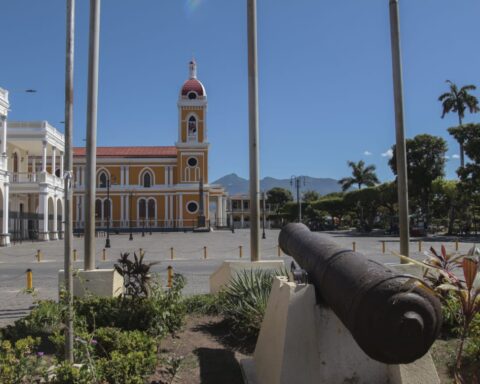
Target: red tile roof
(193,85)
(130,151)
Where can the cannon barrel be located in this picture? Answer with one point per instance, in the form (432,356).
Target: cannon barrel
(392,321)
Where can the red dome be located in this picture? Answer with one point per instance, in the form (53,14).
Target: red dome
(193,85)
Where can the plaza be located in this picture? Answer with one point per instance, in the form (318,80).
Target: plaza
(189,259)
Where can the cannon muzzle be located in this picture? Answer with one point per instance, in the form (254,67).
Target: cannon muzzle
(391,320)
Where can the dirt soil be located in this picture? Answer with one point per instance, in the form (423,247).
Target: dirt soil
(443,354)
(206,351)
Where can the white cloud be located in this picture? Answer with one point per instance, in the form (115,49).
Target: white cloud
(455,156)
(388,153)
(367,153)
(446,157)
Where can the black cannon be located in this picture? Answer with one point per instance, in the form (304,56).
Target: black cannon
(391,320)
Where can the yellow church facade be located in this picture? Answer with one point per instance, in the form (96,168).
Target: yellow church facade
(156,188)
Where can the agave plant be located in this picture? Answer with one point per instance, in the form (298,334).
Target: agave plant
(244,300)
(135,273)
(468,293)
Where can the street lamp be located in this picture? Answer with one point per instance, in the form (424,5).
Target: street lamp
(130,214)
(297,181)
(107,241)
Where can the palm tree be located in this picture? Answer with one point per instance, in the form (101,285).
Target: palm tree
(361,176)
(458,101)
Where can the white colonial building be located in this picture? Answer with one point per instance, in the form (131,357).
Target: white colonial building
(31,188)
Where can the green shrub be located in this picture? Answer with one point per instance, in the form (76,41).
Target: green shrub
(451,316)
(244,300)
(472,348)
(161,313)
(43,320)
(206,304)
(65,373)
(129,368)
(108,340)
(21,362)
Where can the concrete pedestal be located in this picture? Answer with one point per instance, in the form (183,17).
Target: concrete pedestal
(302,342)
(53,235)
(230,268)
(98,282)
(4,239)
(43,236)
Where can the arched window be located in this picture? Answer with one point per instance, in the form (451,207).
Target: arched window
(106,210)
(98,209)
(142,209)
(192,128)
(102,180)
(15,162)
(147,180)
(151,209)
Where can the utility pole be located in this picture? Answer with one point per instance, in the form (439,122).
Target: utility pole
(253,130)
(92,104)
(68,172)
(402,184)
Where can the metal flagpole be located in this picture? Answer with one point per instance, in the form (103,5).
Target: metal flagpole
(253,130)
(68,172)
(402,184)
(92,104)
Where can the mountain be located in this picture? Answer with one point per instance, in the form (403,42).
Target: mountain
(236,185)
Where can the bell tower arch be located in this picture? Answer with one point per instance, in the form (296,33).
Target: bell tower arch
(192,145)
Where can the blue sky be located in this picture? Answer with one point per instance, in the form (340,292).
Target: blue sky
(325,88)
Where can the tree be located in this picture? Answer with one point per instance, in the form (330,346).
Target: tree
(366,201)
(446,201)
(277,198)
(310,196)
(469,186)
(457,101)
(469,134)
(361,175)
(334,204)
(425,163)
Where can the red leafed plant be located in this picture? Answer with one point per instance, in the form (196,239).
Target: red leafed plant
(443,263)
(469,296)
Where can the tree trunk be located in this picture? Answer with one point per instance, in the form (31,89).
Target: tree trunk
(462,154)
(451,219)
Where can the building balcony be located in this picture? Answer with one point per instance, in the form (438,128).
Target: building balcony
(29,180)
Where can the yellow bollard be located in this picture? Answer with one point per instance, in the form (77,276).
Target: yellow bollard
(74,255)
(140,251)
(205,253)
(354,246)
(169,276)
(29,279)
(383,246)
(172,253)
(240,250)
(39,255)
(104,254)
(279,251)
(456,245)
(419,245)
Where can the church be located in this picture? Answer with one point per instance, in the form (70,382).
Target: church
(156,188)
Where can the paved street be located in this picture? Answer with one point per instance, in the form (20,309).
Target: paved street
(188,259)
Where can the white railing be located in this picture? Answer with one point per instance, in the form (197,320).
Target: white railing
(23,177)
(29,177)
